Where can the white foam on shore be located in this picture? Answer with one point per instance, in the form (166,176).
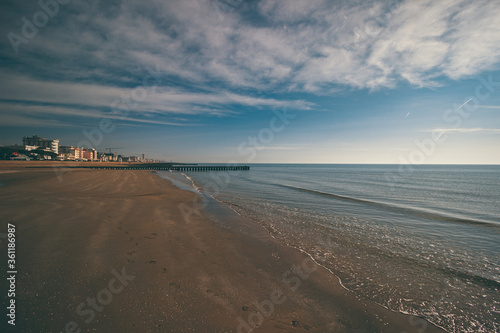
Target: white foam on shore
(196,187)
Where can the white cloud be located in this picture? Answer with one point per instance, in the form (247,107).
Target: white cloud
(291,10)
(16,114)
(315,46)
(370,46)
(474,39)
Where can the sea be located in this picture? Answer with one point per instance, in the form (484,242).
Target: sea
(421,240)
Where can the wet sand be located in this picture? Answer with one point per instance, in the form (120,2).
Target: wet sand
(110,251)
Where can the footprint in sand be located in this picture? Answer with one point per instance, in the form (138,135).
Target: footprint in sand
(175,285)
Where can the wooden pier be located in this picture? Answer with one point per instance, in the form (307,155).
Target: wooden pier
(209,167)
(171,167)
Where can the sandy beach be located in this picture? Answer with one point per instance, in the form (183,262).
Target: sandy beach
(109,251)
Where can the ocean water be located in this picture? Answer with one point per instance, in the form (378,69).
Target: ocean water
(423,240)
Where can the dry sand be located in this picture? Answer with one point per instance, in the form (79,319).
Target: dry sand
(74,228)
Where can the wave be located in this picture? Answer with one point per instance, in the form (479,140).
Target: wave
(400,209)
(392,256)
(196,187)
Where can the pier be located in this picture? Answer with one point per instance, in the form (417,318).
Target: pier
(171,167)
(210,167)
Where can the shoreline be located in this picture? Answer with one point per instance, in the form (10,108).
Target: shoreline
(198,190)
(204,276)
(282,242)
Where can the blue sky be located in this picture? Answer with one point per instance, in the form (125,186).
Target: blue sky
(209,81)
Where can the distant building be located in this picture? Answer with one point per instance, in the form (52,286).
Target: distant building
(29,148)
(102,157)
(88,154)
(75,153)
(36,141)
(69,153)
(111,157)
(107,157)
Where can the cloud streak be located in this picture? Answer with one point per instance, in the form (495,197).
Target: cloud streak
(32,98)
(467,130)
(488,106)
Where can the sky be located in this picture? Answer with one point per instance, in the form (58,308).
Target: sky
(268,81)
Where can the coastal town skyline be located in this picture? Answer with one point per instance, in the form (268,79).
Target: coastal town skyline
(38,148)
(391,82)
